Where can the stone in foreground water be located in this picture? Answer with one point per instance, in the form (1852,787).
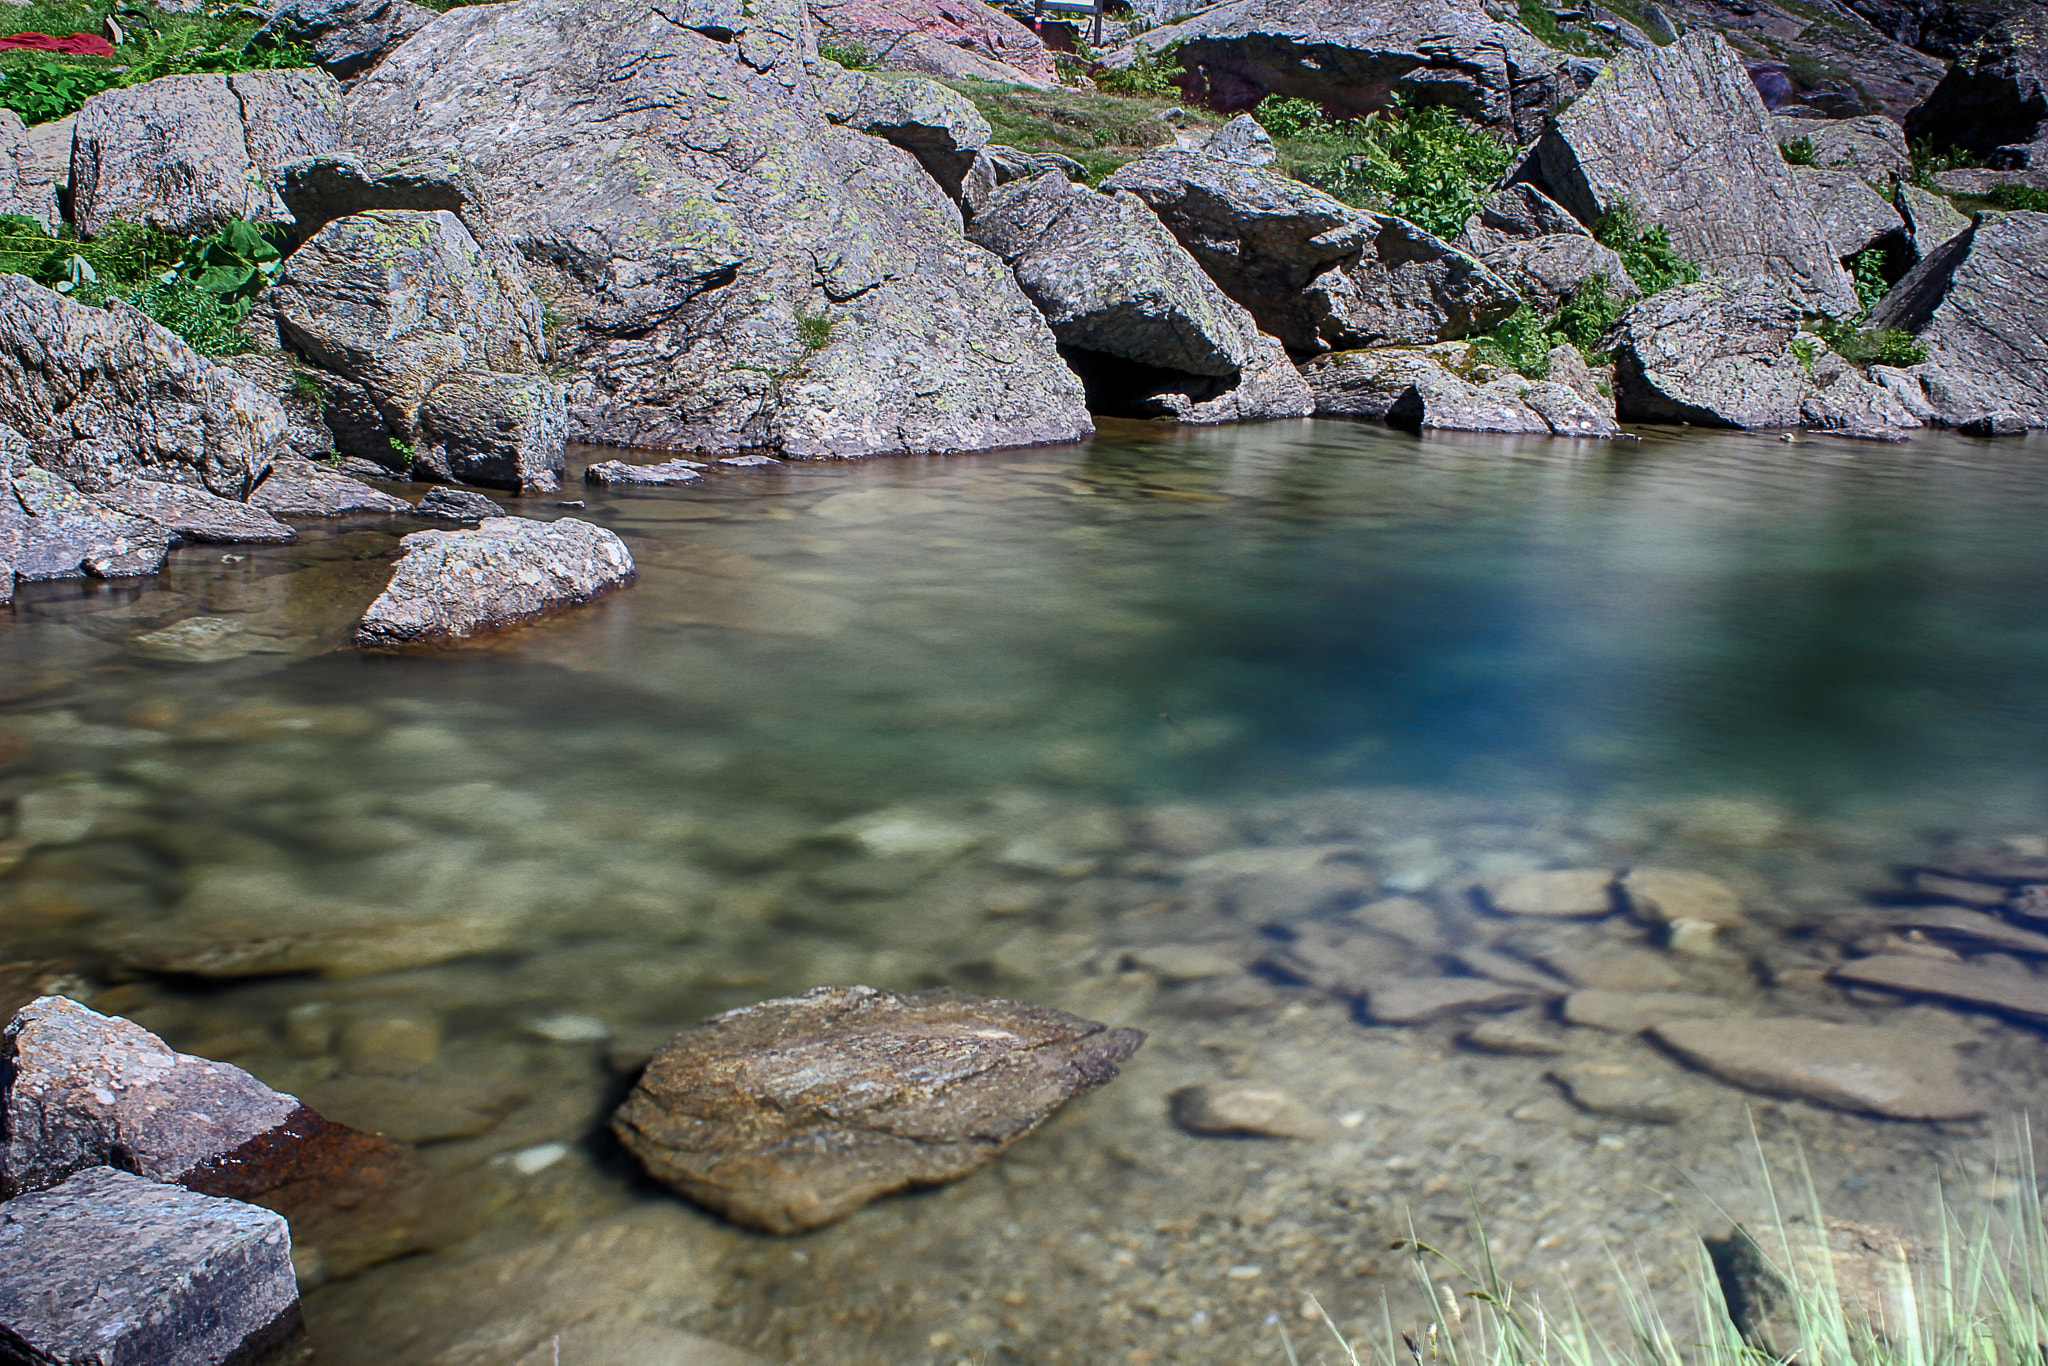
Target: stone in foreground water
(795,1112)
(450,585)
(1873,1068)
(110,1269)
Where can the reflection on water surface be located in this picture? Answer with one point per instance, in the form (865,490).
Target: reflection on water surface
(1106,727)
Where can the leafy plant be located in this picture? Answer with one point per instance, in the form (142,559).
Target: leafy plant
(2006,195)
(233,264)
(202,319)
(1588,315)
(404,451)
(1927,162)
(1645,250)
(1798,151)
(1871,345)
(1805,351)
(306,387)
(1524,340)
(40,88)
(1867,273)
(1426,165)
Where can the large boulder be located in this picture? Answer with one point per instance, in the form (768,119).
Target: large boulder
(919,35)
(1679,134)
(188,153)
(26,186)
(1852,214)
(730,268)
(399,303)
(1549,271)
(109,1267)
(1443,388)
(1994,100)
(105,394)
(1359,56)
(1514,212)
(1315,272)
(346,37)
(1979,304)
(50,530)
(938,126)
(1871,145)
(450,585)
(1715,355)
(792,1113)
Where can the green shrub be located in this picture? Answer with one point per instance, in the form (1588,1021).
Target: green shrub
(1426,165)
(1871,345)
(1866,272)
(2007,195)
(814,329)
(1799,151)
(233,264)
(1645,251)
(43,87)
(1150,73)
(853,56)
(1927,162)
(207,323)
(1524,340)
(1587,316)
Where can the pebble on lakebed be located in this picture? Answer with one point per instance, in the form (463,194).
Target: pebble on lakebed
(792,1113)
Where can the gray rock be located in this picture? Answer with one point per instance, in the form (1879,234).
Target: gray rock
(1972,929)
(1979,304)
(106,394)
(1621,1091)
(1314,272)
(1930,219)
(668,474)
(1548,271)
(1718,356)
(498,430)
(1342,963)
(1444,402)
(1680,133)
(1840,398)
(795,1112)
(1418,1000)
(397,300)
(1507,968)
(1245,1109)
(53,531)
(1867,1268)
(307,435)
(1366,383)
(934,35)
(1994,100)
(1516,211)
(1563,894)
(1110,278)
(1631,1012)
(346,37)
(1268,387)
(194,513)
(822,304)
(1516,1036)
(1871,145)
(1357,55)
(319,189)
(1243,140)
(450,585)
(938,126)
(1612,967)
(1895,1072)
(26,186)
(188,153)
(1671,896)
(1906,388)
(1569,410)
(456,505)
(1852,215)
(2018,994)
(109,1269)
(300,488)
(84,1090)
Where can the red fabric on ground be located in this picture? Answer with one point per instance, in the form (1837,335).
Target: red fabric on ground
(77,45)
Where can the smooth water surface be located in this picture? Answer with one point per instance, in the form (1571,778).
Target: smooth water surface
(1008,722)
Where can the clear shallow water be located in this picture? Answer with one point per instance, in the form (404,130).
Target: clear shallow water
(907,723)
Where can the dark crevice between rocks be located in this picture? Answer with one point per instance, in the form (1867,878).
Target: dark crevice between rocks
(1116,387)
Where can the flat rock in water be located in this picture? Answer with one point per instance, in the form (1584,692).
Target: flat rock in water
(1507,968)
(795,1112)
(1956,925)
(450,585)
(194,513)
(1631,1012)
(1516,1036)
(110,1268)
(50,530)
(1247,1109)
(2012,993)
(668,474)
(1575,893)
(1620,1091)
(1882,1070)
(300,488)
(1669,895)
(1418,1000)
(1613,967)
(1991,865)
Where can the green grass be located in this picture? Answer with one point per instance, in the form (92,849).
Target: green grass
(2007,195)
(1100,130)
(1798,151)
(1978,1296)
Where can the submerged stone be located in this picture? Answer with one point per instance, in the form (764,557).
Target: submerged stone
(1883,1070)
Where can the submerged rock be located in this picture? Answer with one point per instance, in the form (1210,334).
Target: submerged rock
(105,394)
(450,585)
(110,1267)
(1570,893)
(1315,272)
(1886,1071)
(189,153)
(792,1113)
(821,304)
(2011,993)
(1418,1000)
(1679,134)
(668,474)
(1979,304)
(1244,1109)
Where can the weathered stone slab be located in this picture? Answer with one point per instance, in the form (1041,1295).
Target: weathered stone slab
(494,429)
(1871,145)
(1418,1000)
(1570,893)
(883,27)
(667,474)
(301,488)
(26,186)
(1953,924)
(450,585)
(53,531)
(937,125)
(104,394)
(110,1269)
(456,505)
(1852,214)
(792,1113)
(1551,269)
(189,153)
(1886,1071)
(1714,355)
(2009,993)
(1680,133)
(1631,1012)
(193,512)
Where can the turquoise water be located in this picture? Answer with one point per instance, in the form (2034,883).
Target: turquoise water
(1510,652)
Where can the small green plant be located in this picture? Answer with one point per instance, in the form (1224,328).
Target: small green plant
(235,263)
(39,88)
(2006,195)
(1807,353)
(1871,345)
(1149,73)
(1588,315)
(1927,163)
(202,319)
(306,387)
(1524,340)
(851,55)
(1798,151)
(1645,250)
(404,451)
(814,330)
(1867,273)
(1426,164)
